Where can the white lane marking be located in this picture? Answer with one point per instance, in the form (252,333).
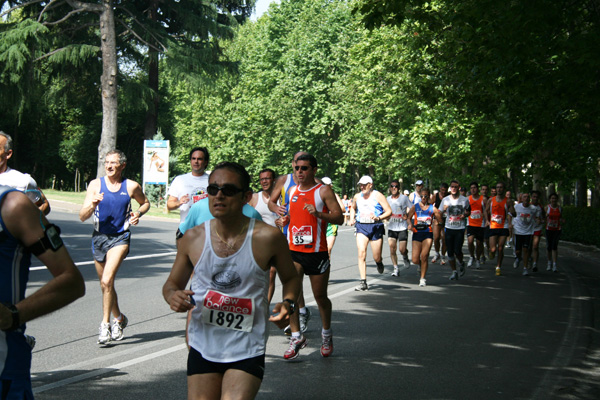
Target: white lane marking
(112,368)
(170,253)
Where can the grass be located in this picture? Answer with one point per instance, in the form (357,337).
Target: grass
(78,197)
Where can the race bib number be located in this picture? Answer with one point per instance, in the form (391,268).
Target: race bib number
(236,313)
(497,218)
(302,235)
(476,214)
(423,223)
(525,217)
(453,220)
(553,223)
(396,218)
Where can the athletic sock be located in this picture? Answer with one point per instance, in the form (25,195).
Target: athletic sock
(326,332)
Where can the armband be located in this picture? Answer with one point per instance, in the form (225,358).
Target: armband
(178,234)
(51,240)
(14,312)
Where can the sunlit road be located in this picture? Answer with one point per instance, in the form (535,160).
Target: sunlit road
(483,337)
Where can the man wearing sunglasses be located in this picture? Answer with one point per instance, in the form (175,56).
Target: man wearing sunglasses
(369,209)
(231,256)
(312,206)
(398,225)
(496,212)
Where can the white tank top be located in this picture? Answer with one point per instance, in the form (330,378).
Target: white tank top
(267,215)
(230,320)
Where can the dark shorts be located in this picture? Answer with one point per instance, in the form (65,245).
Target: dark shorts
(197,364)
(523,241)
(454,242)
(16,389)
(102,243)
(401,236)
(477,231)
(312,263)
(552,238)
(421,236)
(486,234)
(371,231)
(498,232)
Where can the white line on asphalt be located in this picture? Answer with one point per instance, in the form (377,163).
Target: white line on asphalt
(170,253)
(112,368)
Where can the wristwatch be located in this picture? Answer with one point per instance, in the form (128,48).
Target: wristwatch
(292,305)
(14,312)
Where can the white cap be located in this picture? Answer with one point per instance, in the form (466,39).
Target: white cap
(365,179)
(419,182)
(326,180)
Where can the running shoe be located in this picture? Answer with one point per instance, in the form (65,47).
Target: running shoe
(435,258)
(380,267)
(478,264)
(516,263)
(470,263)
(482,259)
(406,263)
(498,271)
(554,269)
(327,345)
(105,335)
(525,272)
(534,269)
(30,341)
(362,287)
(117,328)
(443,260)
(461,268)
(454,276)
(507,245)
(304,318)
(422,282)
(295,346)
(395,273)
(549,267)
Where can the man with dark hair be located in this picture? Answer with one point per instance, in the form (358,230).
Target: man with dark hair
(312,206)
(398,225)
(25,231)
(496,212)
(231,255)
(108,199)
(476,225)
(260,201)
(18,180)
(457,209)
(187,189)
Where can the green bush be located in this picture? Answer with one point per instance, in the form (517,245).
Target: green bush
(582,225)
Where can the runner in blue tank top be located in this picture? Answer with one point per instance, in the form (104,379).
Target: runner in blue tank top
(108,199)
(25,231)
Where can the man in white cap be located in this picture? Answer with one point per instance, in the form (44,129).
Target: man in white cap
(415,197)
(369,209)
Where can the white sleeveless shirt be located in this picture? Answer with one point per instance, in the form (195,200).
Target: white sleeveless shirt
(267,215)
(230,320)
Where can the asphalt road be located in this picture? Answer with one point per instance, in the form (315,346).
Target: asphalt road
(482,337)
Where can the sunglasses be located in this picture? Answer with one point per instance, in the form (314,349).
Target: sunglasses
(394,186)
(227,190)
(302,167)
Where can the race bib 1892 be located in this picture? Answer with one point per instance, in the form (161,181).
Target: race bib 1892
(228,312)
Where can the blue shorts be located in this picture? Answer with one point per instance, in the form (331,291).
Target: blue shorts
(102,243)
(420,236)
(197,364)
(371,231)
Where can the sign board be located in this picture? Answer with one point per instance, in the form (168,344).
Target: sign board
(156,162)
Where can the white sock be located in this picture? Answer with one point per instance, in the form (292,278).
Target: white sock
(303,310)
(326,332)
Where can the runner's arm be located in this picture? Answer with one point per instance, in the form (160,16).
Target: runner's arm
(290,280)
(92,198)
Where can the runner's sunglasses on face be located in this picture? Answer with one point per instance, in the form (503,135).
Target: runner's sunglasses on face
(227,190)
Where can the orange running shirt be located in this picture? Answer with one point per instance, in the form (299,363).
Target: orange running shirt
(476,217)
(306,233)
(498,218)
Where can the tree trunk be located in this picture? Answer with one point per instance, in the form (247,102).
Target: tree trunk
(581,192)
(151,125)
(108,139)
(596,189)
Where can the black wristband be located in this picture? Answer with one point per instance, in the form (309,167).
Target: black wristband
(292,305)
(16,321)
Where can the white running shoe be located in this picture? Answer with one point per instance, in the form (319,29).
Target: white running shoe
(117,328)
(454,276)
(395,273)
(435,258)
(549,267)
(516,263)
(525,272)
(478,264)
(406,263)
(105,336)
(422,283)
(470,263)
(554,269)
